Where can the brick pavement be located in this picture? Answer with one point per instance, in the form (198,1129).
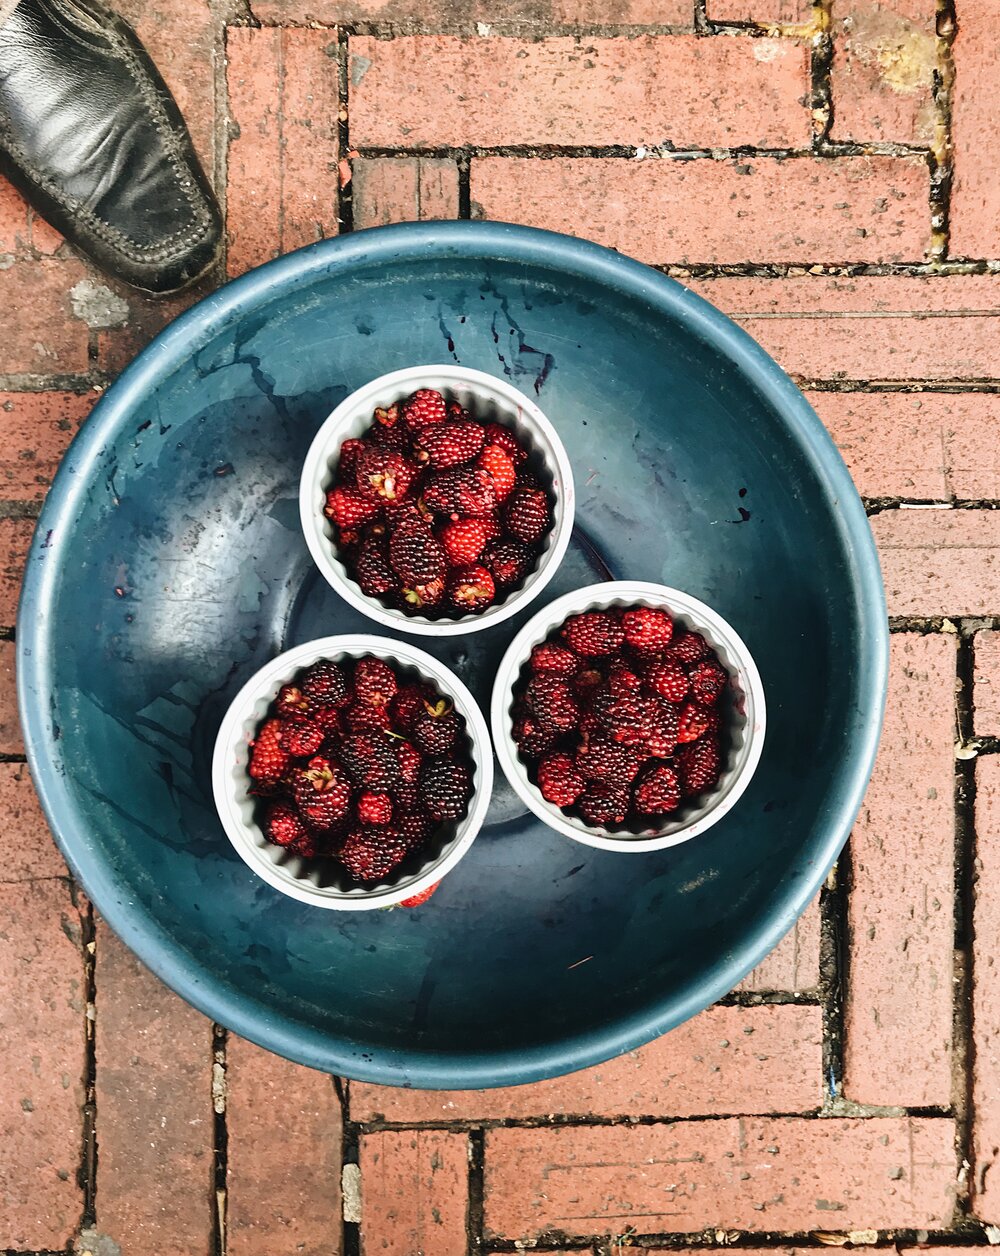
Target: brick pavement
(826,174)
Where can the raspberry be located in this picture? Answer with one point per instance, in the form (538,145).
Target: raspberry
(497,434)
(559,780)
(384,475)
(553,704)
(307,845)
(410,760)
(689,648)
(362,717)
(387,433)
(423,593)
(369,854)
(292,701)
(462,492)
(445,788)
(647,629)
(448,444)
(325,682)
(372,570)
(667,680)
(374,808)
(463,540)
(268,761)
(347,508)
(694,721)
(593,633)
(699,766)
(470,589)
(416,554)
(322,792)
(300,736)
(328,718)
(585,683)
(708,681)
(663,728)
(423,407)
(604,760)
(370,762)
(282,825)
(623,681)
(457,411)
(498,462)
(603,803)
(507,562)
(374,681)
(409,703)
(550,657)
(350,452)
(419,899)
(657,791)
(414,827)
(435,731)
(532,740)
(526,514)
(630,720)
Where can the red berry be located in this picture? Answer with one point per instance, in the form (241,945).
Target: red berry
(445,788)
(667,680)
(507,562)
(708,681)
(548,656)
(527,516)
(647,629)
(301,737)
(497,434)
(689,648)
(604,804)
(328,718)
(409,703)
(325,682)
(592,634)
(463,492)
(436,729)
(416,554)
(498,462)
(374,808)
(368,854)
(585,684)
(282,825)
(384,475)
(694,721)
(423,407)
(373,570)
(423,593)
(532,740)
(699,766)
(307,845)
(292,701)
(268,761)
(419,899)
(604,760)
(663,728)
(470,589)
(559,780)
(374,681)
(551,700)
(347,508)
(370,761)
(350,452)
(362,717)
(414,826)
(622,680)
(657,791)
(463,540)
(410,760)
(630,720)
(322,792)
(448,444)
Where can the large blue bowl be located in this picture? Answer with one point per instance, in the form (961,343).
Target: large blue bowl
(168,565)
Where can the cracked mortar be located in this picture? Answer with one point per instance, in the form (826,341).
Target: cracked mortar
(98,306)
(91,1243)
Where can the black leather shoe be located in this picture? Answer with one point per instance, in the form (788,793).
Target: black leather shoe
(91,136)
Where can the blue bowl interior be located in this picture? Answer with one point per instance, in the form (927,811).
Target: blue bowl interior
(169,566)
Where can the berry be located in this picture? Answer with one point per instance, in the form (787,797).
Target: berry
(423,593)
(435,731)
(507,562)
(592,634)
(369,854)
(532,740)
(307,845)
(370,761)
(694,721)
(347,508)
(282,825)
(559,780)
(464,539)
(551,657)
(374,682)
(470,589)
(325,682)
(603,760)
(410,760)
(699,766)
(498,462)
(328,718)
(374,808)
(689,648)
(630,720)
(409,702)
(416,554)
(423,407)
(445,788)
(603,803)
(551,700)
(585,683)
(647,629)
(448,444)
(708,681)
(386,416)
(414,826)
(384,475)
(667,680)
(460,492)
(322,792)
(361,717)
(300,736)
(663,728)
(657,791)
(372,570)
(622,681)
(419,899)
(268,761)
(350,451)
(292,701)
(526,514)
(497,434)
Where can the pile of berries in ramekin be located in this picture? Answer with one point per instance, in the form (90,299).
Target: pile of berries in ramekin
(355,763)
(436,513)
(619,716)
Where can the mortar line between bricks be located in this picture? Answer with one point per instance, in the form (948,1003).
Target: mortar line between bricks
(700,1241)
(220,1139)
(464,187)
(89,1148)
(700,17)
(627,152)
(820,68)
(350,1231)
(942,169)
(345,195)
(833,973)
(476,1199)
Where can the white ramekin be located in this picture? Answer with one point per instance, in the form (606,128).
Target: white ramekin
(745,736)
(489,399)
(323,882)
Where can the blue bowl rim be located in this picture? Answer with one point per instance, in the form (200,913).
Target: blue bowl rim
(185,973)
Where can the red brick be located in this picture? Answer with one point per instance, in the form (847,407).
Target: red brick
(283,179)
(403,189)
(10,725)
(35,430)
(21,230)
(885,58)
(414,1193)
(155,1128)
(975,196)
(898,1009)
(284,1127)
(692,92)
(727,1060)
(15,537)
(42,1018)
(44,338)
(30,851)
(986,994)
(780,12)
(751,1173)
(147,316)
(676,13)
(431,14)
(869,328)
(861,209)
(793,965)
(940,562)
(986,690)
